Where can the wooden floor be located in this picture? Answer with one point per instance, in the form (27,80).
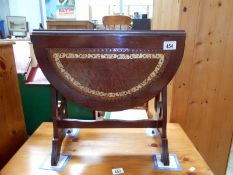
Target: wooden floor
(98,151)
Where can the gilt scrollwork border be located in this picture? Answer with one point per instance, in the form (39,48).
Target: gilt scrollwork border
(58,54)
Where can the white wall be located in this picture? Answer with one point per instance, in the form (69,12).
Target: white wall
(28,8)
(82,9)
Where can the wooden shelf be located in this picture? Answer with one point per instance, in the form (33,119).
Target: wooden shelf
(12,125)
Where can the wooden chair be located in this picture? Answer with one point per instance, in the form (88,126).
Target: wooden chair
(117,22)
(108,71)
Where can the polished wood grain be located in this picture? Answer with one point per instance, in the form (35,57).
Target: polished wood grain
(124,70)
(98,151)
(202,89)
(117,75)
(12,125)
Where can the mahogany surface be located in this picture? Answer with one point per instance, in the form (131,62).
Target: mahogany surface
(107,70)
(105,76)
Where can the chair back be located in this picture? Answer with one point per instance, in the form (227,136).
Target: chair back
(117,22)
